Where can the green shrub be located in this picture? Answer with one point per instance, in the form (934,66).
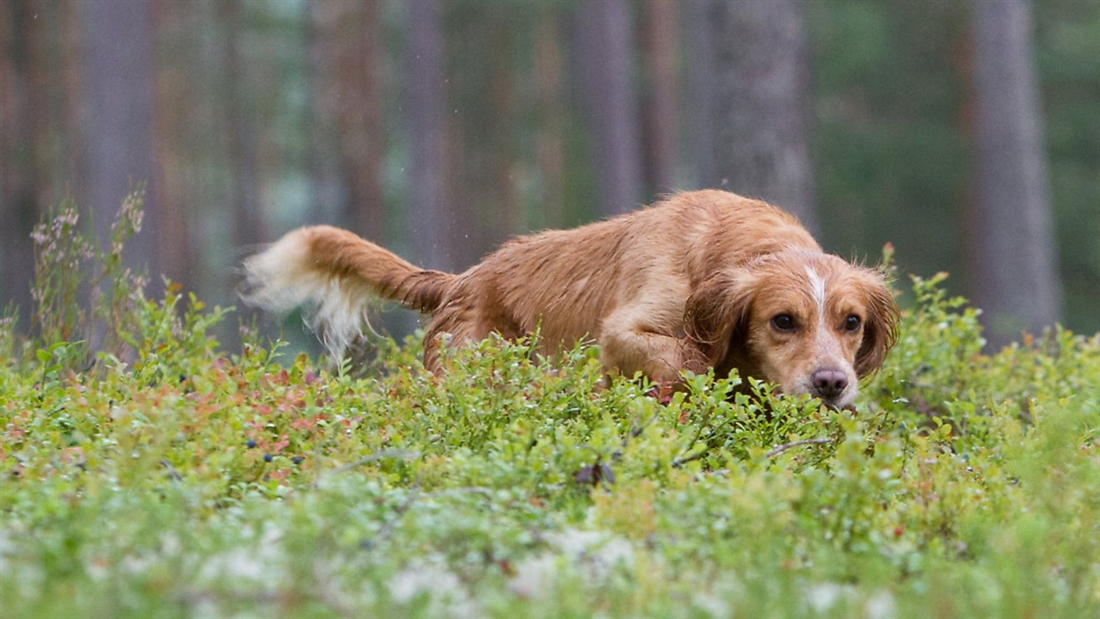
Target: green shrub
(172,478)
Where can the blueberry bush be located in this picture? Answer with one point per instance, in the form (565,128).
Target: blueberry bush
(153,473)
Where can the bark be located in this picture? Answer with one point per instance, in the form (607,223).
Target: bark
(119,119)
(502,96)
(362,157)
(19,208)
(330,202)
(549,145)
(41,131)
(699,31)
(169,186)
(348,104)
(659,101)
(1012,263)
(763,105)
(481,128)
(240,128)
(430,212)
(605,50)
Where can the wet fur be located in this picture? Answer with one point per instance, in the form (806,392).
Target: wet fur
(687,284)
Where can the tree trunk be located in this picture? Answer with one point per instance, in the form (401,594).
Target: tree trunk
(430,213)
(169,183)
(549,142)
(19,208)
(240,127)
(1012,263)
(699,32)
(481,128)
(361,156)
(605,52)
(764,104)
(121,153)
(325,38)
(659,102)
(504,200)
(348,105)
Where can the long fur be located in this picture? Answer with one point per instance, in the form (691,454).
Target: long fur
(689,283)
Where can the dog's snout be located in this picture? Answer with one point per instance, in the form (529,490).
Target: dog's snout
(829,384)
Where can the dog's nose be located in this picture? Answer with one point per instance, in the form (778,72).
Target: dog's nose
(828,384)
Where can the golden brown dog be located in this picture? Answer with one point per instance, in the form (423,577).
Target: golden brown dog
(701,279)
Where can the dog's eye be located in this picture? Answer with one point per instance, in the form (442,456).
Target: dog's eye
(852,323)
(783,322)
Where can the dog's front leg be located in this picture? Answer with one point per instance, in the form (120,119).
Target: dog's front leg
(629,343)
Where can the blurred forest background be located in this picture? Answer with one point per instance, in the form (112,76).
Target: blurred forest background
(966,133)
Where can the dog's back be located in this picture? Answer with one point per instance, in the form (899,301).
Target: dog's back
(704,279)
(623,282)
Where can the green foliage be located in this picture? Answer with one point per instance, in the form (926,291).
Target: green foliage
(91,310)
(185,481)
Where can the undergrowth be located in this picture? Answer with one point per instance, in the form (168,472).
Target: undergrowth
(156,474)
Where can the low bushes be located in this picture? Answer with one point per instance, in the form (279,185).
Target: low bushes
(165,477)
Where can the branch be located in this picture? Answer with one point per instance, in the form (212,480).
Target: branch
(404,454)
(810,441)
(678,462)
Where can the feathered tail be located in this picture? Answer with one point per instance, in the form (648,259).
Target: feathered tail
(334,274)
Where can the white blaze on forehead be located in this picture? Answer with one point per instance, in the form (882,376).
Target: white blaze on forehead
(817,289)
(828,350)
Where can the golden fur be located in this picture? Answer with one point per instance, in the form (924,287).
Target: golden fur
(701,279)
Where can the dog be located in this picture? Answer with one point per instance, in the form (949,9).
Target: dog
(702,279)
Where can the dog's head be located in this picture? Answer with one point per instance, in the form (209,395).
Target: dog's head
(808,322)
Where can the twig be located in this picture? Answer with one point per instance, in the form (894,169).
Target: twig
(678,462)
(172,472)
(810,441)
(695,439)
(403,454)
(636,430)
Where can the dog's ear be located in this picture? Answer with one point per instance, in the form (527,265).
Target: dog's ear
(716,315)
(880,330)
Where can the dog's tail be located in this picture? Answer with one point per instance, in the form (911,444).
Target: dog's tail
(335,274)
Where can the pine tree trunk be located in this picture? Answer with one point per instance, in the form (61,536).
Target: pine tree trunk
(19,208)
(549,142)
(430,212)
(120,148)
(605,49)
(700,33)
(169,187)
(242,133)
(1012,261)
(763,105)
(659,105)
